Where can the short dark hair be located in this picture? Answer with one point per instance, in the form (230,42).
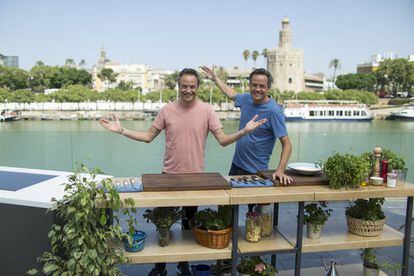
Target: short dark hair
(188,71)
(263,72)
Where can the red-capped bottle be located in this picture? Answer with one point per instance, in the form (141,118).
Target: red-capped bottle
(384,169)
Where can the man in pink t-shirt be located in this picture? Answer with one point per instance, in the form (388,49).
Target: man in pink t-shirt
(187,122)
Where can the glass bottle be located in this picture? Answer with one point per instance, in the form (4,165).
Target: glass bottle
(253,230)
(266,218)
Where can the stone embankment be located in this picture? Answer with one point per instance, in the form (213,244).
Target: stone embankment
(96,115)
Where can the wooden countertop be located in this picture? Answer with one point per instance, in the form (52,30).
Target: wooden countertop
(262,195)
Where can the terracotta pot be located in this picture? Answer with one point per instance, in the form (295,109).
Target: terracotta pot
(314,231)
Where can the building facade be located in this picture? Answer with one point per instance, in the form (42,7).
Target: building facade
(286,63)
(373,64)
(139,75)
(9,61)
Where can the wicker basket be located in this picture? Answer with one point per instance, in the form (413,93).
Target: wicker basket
(216,239)
(365,228)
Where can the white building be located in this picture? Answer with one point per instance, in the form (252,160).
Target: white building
(140,75)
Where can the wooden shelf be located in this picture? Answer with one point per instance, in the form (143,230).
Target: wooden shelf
(335,236)
(275,242)
(178,198)
(325,193)
(182,247)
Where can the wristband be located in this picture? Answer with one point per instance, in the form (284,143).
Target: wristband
(122,131)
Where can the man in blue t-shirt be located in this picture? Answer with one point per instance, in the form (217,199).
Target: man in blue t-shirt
(253,151)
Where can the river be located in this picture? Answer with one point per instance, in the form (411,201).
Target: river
(59,145)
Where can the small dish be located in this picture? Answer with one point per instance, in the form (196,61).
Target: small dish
(376,181)
(305,168)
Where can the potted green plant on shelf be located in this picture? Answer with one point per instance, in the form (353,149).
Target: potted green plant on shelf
(213,228)
(396,164)
(372,264)
(163,218)
(81,244)
(346,170)
(365,217)
(255,266)
(315,217)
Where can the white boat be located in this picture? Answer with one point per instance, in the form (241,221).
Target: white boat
(405,113)
(323,110)
(7,115)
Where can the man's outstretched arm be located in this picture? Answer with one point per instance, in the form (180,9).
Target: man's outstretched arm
(223,87)
(227,139)
(142,136)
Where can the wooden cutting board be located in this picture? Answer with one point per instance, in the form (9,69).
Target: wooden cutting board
(184,182)
(298,180)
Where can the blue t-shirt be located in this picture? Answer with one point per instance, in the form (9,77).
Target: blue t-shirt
(254,149)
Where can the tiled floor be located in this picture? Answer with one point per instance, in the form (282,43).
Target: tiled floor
(349,259)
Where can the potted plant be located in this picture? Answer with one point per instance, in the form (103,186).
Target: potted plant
(346,170)
(80,245)
(396,164)
(255,266)
(365,217)
(163,218)
(213,228)
(315,216)
(372,264)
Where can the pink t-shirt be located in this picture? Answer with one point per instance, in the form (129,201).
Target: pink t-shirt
(186,130)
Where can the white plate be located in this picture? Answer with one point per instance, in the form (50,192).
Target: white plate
(305,168)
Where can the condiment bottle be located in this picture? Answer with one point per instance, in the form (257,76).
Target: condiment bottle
(384,169)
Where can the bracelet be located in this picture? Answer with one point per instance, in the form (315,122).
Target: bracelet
(122,131)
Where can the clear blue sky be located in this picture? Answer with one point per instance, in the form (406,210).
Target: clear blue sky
(168,34)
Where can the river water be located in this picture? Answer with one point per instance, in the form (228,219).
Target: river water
(59,145)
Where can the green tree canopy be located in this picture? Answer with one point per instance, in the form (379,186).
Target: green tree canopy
(13,78)
(357,81)
(395,75)
(107,74)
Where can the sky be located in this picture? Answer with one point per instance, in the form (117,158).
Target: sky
(171,35)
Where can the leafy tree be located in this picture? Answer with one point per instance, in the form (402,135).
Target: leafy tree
(70,62)
(246,56)
(40,77)
(170,81)
(22,96)
(336,64)
(124,86)
(13,78)
(265,54)
(255,55)
(352,95)
(395,75)
(107,75)
(41,98)
(4,95)
(357,81)
(82,63)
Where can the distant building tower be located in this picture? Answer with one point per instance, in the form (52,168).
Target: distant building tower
(286,63)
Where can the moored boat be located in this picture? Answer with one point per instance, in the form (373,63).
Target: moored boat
(6,115)
(324,110)
(405,113)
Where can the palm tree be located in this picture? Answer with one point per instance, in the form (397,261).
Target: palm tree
(69,62)
(255,55)
(265,54)
(336,64)
(82,63)
(246,55)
